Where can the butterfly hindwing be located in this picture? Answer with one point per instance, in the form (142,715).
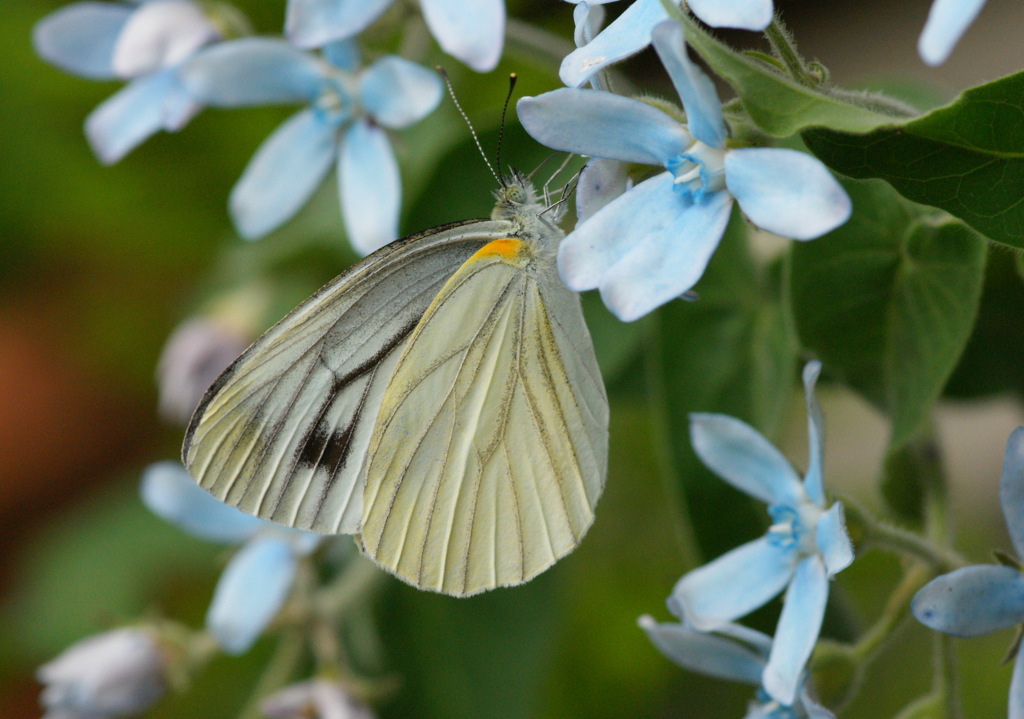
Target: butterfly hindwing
(282,434)
(490,448)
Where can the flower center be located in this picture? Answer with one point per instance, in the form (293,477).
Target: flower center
(699,171)
(794,528)
(335,104)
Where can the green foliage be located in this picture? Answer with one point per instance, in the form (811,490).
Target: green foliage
(777,104)
(888,301)
(966,158)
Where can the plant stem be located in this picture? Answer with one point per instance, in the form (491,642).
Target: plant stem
(278,672)
(894,539)
(896,609)
(945,675)
(785,49)
(359,578)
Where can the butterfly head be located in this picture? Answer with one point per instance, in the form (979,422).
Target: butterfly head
(515,197)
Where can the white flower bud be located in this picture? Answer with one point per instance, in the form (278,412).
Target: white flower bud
(117,673)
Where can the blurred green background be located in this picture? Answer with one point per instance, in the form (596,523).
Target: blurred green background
(98,265)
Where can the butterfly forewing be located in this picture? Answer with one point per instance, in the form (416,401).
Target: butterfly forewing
(489,451)
(282,434)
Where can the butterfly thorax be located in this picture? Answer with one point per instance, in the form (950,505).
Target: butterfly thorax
(517,203)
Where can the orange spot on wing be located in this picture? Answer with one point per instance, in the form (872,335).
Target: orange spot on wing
(507,249)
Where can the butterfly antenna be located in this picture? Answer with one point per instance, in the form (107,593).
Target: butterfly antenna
(476,140)
(504,111)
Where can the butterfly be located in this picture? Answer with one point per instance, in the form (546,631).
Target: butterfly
(441,399)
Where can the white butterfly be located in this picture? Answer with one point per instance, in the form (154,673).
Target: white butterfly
(441,398)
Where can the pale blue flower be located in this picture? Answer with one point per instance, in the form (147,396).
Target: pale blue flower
(734,653)
(118,673)
(805,545)
(652,244)
(144,43)
(631,31)
(947,22)
(259,576)
(984,598)
(473,32)
(342,125)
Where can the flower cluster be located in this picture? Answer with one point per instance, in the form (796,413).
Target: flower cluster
(342,124)
(145,44)
(652,243)
(805,546)
(181,55)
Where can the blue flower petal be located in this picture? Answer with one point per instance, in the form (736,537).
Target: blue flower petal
(786,192)
(733,585)
(812,707)
(947,22)
(709,654)
(1016,709)
(302,543)
(627,35)
(595,246)
(135,112)
(253,71)
(1011,488)
(397,92)
(160,35)
(80,37)
(473,32)
(700,99)
(312,23)
(370,186)
(342,54)
(250,592)
(284,172)
(741,14)
(170,493)
(600,124)
(600,182)
(832,540)
(815,436)
(668,259)
(759,642)
(797,631)
(741,456)
(971,600)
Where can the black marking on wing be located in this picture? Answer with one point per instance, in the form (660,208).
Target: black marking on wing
(327,446)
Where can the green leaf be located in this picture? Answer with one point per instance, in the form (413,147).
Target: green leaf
(888,300)
(912,472)
(991,362)
(732,351)
(776,103)
(966,158)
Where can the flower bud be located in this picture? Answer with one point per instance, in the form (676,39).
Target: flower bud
(120,672)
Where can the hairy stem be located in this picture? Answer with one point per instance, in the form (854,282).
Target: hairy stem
(885,536)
